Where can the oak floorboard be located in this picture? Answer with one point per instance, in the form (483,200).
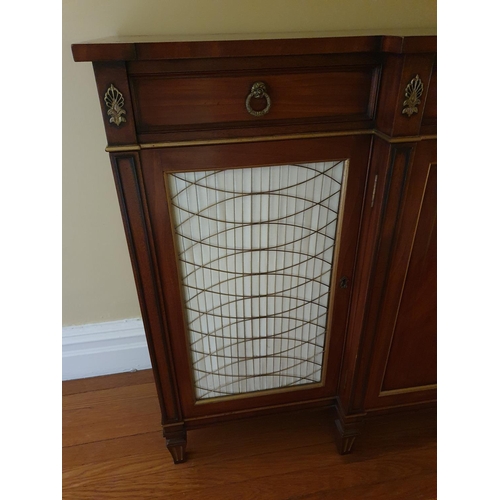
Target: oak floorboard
(230,440)
(418,487)
(272,475)
(110,413)
(107,382)
(113,449)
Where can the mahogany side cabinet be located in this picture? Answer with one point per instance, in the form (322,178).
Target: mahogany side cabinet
(279,202)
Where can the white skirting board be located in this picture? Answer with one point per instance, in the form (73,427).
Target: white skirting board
(104,348)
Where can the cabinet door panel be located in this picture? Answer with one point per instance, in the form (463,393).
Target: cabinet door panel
(404,360)
(414,337)
(256,246)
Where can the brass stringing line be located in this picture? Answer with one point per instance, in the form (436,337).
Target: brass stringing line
(284,302)
(269,248)
(250,195)
(275,294)
(221,297)
(335,229)
(298,344)
(209,346)
(269,333)
(173,181)
(277,190)
(243,275)
(312,263)
(332,225)
(260,250)
(284,314)
(272,249)
(295,379)
(188,184)
(329,179)
(209,311)
(307,329)
(333,182)
(192,224)
(254,267)
(306,341)
(208,173)
(293,171)
(237,381)
(259,282)
(243,386)
(187,290)
(297,362)
(235,267)
(342,167)
(243,224)
(240,320)
(239,252)
(219,393)
(271,221)
(227,356)
(275,308)
(220,353)
(250,300)
(294,362)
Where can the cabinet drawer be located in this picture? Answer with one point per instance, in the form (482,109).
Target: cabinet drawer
(166,103)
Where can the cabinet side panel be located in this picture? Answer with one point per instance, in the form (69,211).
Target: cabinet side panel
(126,170)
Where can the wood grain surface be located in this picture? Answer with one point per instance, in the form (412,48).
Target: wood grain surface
(113,449)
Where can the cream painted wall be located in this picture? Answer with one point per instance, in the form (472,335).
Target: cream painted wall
(97,277)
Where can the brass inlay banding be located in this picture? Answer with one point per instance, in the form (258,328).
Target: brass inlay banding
(407,390)
(238,140)
(264,138)
(119,149)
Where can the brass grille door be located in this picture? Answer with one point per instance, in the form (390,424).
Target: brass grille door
(255,245)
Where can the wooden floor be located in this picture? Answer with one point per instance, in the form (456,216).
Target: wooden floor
(113,449)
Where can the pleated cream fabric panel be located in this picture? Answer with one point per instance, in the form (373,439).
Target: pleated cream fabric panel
(256,247)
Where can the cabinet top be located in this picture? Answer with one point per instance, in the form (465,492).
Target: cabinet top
(140,48)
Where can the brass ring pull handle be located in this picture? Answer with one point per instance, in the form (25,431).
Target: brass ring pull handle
(258,91)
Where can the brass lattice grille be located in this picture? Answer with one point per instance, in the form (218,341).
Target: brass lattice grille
(256,247)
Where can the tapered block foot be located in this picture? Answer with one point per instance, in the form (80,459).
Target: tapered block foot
(344,439)
(176,444)
(347,429)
